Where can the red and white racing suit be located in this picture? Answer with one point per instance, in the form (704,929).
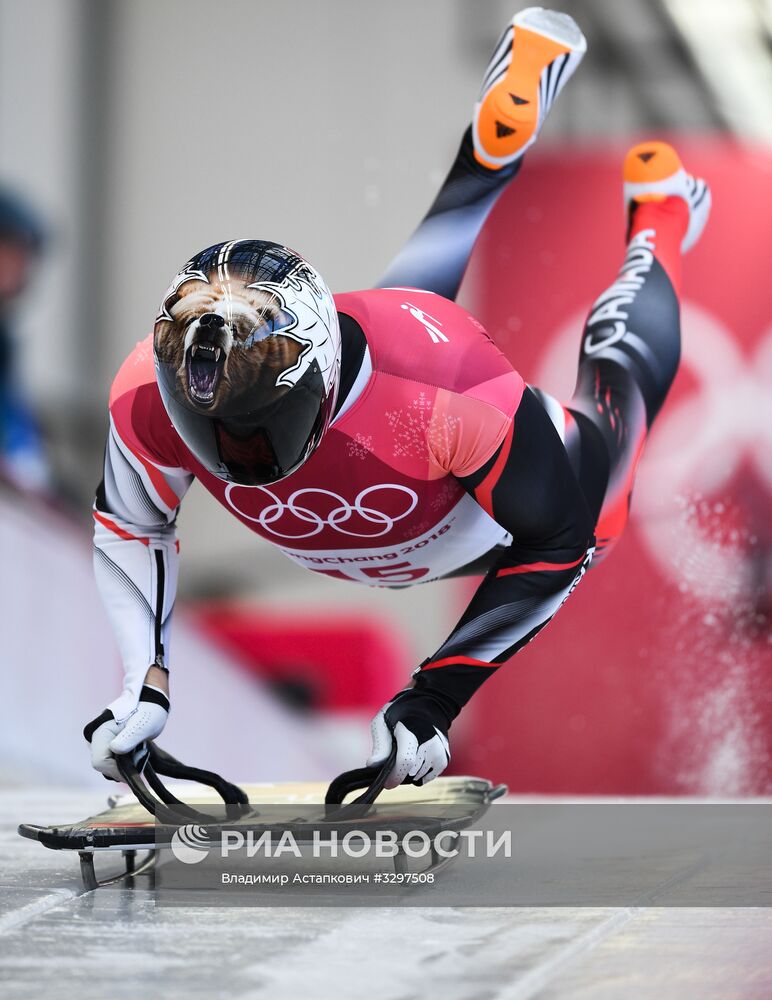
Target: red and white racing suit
(438,456)
(439,460)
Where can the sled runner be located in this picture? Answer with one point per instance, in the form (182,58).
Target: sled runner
(146,821)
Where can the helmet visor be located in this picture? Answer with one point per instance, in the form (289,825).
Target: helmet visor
(257,447)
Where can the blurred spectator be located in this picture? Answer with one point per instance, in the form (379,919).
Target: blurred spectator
(22,236)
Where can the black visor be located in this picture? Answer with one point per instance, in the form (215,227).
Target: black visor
(259,446)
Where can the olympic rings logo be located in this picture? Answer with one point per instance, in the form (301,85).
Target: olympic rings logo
(338,518)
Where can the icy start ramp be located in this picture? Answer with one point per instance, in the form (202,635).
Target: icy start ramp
(56,941)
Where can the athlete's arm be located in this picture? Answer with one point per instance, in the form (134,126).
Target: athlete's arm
(135,562)
(529,488)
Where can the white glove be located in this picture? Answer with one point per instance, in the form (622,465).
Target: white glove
(109,737)
(420,726)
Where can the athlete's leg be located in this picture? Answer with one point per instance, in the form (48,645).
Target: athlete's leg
(631,342)
(533,61)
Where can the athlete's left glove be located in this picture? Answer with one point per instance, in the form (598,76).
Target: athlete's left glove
(419,722)
(109,737)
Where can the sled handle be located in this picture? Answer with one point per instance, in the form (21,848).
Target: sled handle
(163,763)
(372,779)
(160,762)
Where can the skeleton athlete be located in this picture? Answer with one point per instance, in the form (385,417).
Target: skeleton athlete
(381,436)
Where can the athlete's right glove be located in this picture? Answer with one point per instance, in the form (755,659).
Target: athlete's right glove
(419,721)
(109,737)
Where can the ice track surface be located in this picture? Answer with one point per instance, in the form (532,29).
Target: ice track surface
(56,941)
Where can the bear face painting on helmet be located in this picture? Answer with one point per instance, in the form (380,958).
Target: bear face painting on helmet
(247,354)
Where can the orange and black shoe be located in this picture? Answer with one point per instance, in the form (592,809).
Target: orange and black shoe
(532,63)
(652,172)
